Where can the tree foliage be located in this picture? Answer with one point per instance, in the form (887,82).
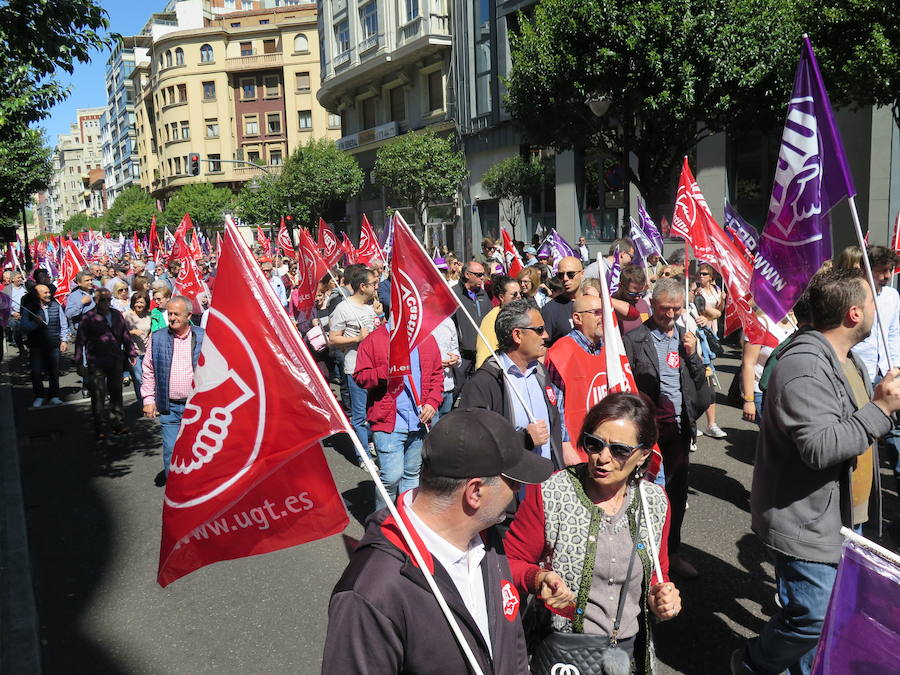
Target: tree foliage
(25,168)
(316,175)
(205,203)
(419,169)
(132,211)
(38,38)
(511,180)
(672,72)
(262,202)
(82,222)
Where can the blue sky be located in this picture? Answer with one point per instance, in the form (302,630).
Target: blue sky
(88,81)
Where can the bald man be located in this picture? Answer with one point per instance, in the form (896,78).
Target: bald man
(46,330)
(557,313)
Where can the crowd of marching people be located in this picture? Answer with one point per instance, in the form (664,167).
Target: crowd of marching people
(499,424)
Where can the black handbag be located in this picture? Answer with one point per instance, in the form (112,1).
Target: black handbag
(583,654)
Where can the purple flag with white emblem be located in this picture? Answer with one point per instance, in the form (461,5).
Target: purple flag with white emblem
(649,228)
(614,274)
(557,247)
(740,230)
(811,177)
(643,247)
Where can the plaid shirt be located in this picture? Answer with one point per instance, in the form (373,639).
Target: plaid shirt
(181,377)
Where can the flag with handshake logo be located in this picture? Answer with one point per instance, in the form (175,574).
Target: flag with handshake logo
(248,475)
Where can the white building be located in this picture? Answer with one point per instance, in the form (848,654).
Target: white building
(75,155)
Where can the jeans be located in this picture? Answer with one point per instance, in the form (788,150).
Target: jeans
(341,377)
(14,335)
(758,402)
(170,424)
(446,407)
(44,358)
(399,461)
(137,375)
(358,398)
(103,382)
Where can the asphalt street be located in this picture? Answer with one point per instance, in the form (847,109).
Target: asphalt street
(93,516)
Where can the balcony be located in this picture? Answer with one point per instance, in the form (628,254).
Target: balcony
(248,172)
(254,62)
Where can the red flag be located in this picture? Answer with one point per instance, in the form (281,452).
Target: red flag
(196,253)
(283,240)
(154,238)
(189,283)
(692,218)
(347,249)
(248,475)
(69,268)
(218,245)
(263,240)
(185,226)
(369,252)
(511,255)
(310,269)
(79,256)
(895,239)
(420,297)
(328,244)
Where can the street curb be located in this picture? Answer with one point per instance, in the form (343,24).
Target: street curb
(20,650)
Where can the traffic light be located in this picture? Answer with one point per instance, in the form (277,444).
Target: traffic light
(194,164)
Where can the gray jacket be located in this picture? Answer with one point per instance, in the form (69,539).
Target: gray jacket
(811,433)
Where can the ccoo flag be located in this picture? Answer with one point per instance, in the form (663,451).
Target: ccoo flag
(248,474)
(811,177)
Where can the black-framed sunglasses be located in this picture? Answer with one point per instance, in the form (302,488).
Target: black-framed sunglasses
(594,445)
(570,275)
(476,274)
(537,329)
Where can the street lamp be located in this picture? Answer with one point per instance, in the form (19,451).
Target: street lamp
(599,106)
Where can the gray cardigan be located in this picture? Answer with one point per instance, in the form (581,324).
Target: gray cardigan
(810,435)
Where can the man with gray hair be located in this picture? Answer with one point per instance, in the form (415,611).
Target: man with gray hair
(81,299)
(169,365)
(521,337)
(472,296)
(667,367)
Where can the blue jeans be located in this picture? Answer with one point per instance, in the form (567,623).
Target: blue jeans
(446,407)
(788,641)
(399,461)
(137,376)
(358,397)
(170,423)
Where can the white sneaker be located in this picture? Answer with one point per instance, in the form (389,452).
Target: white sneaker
(38,402)
(55,401)
(713,431)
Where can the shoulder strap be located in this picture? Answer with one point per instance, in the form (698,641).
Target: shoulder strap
(623,594)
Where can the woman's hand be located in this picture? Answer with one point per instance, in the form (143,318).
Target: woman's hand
(553,590)
(665,601)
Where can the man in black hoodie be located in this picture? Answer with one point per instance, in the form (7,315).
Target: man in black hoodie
(383,617)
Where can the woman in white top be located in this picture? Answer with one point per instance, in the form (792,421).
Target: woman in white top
(120,295)
(714,296)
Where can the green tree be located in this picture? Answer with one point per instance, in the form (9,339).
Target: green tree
(672,73)
(205,203)
(82,222)
(25,168)
(261,201)
(419,169)
(132,211)
(315,176)
(511,180)
(38,38)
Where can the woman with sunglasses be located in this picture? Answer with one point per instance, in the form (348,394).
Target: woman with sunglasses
(712,294)
(580,544)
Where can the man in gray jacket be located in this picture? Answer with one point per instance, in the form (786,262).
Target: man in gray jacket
(816,458)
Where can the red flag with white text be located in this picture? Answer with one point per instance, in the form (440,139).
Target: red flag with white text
(347,249)
(420,297)
(68,270)
(189,283)
(329,244)
(185,226)
(263,240)
(368,252)
(196,251)
(511,255)
(154,239)
(692,217)
(310,270)
(248,474)
(283,240)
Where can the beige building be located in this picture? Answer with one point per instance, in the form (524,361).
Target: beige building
(242,87)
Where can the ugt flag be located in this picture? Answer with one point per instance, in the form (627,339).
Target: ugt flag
(329,244)
(284,240)
(811,177)
(369,251)
(420,298)
(512,259)
(248,474)
(692,218)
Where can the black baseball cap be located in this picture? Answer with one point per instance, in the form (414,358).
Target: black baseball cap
(478,442)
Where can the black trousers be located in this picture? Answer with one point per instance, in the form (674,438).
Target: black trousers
(675,446)
(44,358)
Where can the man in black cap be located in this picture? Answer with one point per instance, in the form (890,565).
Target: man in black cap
(383,618)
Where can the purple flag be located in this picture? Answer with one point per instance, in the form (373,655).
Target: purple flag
(740,230)
(643,247)
(861,633)
(5,309)
(811,177)
(649,229)
(557,247)
(614,274)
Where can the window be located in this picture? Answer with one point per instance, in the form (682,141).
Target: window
(251,125)
(253,156)
(368,18)
(272,86)
(263,22)
(248,89)
(303,81)
(412,9)
(334,121)
(236,24)
(269,46)
(209,91)
(185,131)
(168,58)
(305,117)
(435,91)
(182,93)
(214,164)
(212,128)
(247,4)
(179,57)
(275,158)
(342,37)
(178,165)
(246,49)
(367,113)
(398,104)
(206,54)
(229,4)
(482,32)
(273,123)
(301,43)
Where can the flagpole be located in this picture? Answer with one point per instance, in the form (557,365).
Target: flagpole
(868,268)
(651,535)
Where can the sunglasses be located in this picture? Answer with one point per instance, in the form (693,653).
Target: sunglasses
(568,275)
(594,445)
(595,312)
(704,274)
(537,329)
(476,274)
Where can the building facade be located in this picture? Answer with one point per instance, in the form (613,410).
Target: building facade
(241,87)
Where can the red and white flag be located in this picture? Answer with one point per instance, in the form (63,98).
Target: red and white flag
(154,240)
(895,239)
(248,474)
(284,240)
(420,298)
(347,249)
(185,226)
(368,252)
(189,283)
(11,260)
(68,270)
(692,217)
(196,251)
(511,255)
(310,269)
(218,244)
(329,244)
(263,240)
(79,255)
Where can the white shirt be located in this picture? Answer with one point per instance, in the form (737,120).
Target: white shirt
(278,286)
(448,343)
(464,567)
(872,350)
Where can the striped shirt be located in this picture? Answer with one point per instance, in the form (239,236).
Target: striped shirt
(181,377)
